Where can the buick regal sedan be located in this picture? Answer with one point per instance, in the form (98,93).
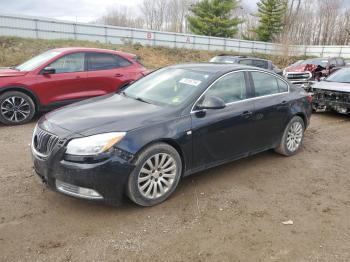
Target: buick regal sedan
(170,124)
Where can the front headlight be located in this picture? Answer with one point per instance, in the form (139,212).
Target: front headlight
(93,145)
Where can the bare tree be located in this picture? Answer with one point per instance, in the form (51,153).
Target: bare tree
(154,12)
(176,15)
(122,16)
(316,22)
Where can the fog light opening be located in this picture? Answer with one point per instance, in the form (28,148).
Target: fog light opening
(76,191)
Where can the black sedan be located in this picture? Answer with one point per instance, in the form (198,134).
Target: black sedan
(170,124)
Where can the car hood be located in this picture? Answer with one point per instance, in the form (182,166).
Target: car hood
(302,68)
(7,72)
(106,114)
(333,86)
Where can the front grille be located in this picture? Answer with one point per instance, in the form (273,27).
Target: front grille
(302,76)
(44,142)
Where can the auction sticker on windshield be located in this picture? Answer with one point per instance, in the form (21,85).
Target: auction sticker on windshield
(191,82)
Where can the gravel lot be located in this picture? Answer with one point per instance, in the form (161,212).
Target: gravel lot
(230,213)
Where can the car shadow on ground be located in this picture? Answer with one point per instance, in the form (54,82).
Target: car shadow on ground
(188,186)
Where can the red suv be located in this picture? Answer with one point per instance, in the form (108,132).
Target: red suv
(62,76)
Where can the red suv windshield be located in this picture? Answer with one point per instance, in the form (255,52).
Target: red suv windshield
(37,61)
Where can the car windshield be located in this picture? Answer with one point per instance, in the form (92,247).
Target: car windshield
(319,62)
(224,59)
(298,63)
(169,86)
(37,61)
(341,76)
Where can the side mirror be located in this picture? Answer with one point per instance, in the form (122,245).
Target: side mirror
(211,102)
(322,78)
(48,71)
(332,65)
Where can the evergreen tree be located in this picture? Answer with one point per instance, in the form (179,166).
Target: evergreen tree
(271,15)
(214,18)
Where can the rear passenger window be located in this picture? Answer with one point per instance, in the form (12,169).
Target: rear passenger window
(100,61)
(246,62)
(340,62)
(265,84)
(333,62)
(282,85)
(230,88)
(260,64)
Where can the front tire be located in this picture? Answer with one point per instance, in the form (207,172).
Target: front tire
(16,108)
(156,176)
(293,137)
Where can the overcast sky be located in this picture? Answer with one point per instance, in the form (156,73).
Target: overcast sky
(81,10)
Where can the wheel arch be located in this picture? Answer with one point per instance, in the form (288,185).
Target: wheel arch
(24,90)
(303,117)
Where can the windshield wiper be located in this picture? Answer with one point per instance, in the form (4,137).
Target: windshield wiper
(136,98)
(142,100)
(124,94)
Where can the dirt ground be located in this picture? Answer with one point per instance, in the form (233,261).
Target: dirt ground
(230,213)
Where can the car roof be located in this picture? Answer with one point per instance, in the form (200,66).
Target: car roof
(323,58)
(243,57)
(216,68)
(88,49)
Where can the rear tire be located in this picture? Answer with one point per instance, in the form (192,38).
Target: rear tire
(293,137)
(156,175)
(16,108)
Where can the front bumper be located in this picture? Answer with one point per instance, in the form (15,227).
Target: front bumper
(326,99)
(103,181)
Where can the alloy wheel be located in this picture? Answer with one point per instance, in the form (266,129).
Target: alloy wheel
(15,109)
(295,136)
(157,175)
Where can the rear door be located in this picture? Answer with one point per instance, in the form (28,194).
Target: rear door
(108,72)
(272,104)
(223,134)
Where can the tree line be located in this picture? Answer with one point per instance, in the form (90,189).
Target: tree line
(301,22)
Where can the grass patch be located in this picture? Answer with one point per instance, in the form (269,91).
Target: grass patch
(15,50)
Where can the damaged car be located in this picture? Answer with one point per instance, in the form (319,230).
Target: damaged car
(305,73)
(333,93)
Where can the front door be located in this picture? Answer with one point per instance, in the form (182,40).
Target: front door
(69,82)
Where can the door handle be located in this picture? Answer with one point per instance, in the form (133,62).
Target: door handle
(77,77)
(118,75)
(284,102)
(247,114)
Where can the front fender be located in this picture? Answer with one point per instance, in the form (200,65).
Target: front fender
(173,132)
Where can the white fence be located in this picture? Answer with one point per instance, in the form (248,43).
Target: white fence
(44,28)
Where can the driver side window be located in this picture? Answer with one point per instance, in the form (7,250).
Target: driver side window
(230,88)
(69,63)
